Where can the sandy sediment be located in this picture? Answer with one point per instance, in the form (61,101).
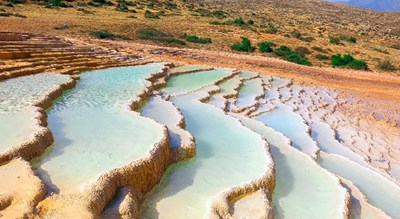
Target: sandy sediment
(123,206)
(21,190)
(43,138)
(255,205)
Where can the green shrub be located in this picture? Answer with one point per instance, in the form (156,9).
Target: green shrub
(291,56)
(156,35)
(348,61)
(15,2)
(244,46)
(5,14)
(150,5)
(351,39)
(386,65)
(250,22)
(321,57)
(58,3)
(271,29)
(296,34)
(206,13)
(266,47)
(196,39)
(302,51)
(218,14)
(283,51)
(102,34)
(308,39)
(238,22)
(334,40)
(151,15)
(318,49)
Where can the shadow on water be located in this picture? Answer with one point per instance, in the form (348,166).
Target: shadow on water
(284,180)
(160,192)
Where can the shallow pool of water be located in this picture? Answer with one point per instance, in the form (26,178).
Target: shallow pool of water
(18,123)
(284,120)
(303,189)
(226,151)
(184,83)
(379,191)
(249,91)
(95,131)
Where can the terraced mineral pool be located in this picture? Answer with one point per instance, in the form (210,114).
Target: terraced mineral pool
(228,86)
(17,128)
(166,113)
(226,151)
(303,189)
(247,74)
(249,91)
(278,82)
(184,83)
(94,131)
(284,120)
(188,68)
(18,122)
(323,134)
(379,191)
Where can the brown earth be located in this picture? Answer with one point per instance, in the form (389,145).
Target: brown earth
(377,33)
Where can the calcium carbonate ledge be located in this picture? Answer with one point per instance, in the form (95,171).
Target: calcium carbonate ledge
(346,208)
(360,159)
(43,138)
(222,204)
(141,175)
(173,71)
(22,190)
(186,150)
(253,107)
(177,154)
(229,76)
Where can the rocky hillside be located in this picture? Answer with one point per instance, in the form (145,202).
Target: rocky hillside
(303,31)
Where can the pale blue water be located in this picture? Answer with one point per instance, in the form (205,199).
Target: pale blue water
(21,92)
(226,151)
(303,189)
(18,123)
(379,191)
(249,91)
(94,131)
(184,83)
(284,120)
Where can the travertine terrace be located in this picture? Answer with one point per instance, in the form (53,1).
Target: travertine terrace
(87,131)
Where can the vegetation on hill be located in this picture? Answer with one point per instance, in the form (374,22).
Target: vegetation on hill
(348,61)
(313,35)
(156,35)
(291,56)
(244,46)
